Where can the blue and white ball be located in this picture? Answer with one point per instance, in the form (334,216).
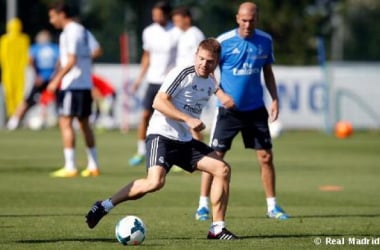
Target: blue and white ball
(130,230)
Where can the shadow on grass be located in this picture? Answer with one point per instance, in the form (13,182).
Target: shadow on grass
(282,236)
(320,216)
(67,240)
(336,216)
(39,215)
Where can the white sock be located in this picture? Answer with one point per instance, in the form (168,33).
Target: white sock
(271,203)
(107,204)
(13,123)
(217,226)
(141,147)
(69,154)
(203,202)
(92,157)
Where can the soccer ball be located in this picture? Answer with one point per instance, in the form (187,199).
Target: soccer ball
(130,230)
(35,123)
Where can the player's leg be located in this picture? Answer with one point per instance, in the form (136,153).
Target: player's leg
(256,136)
(21,110)
(154,181)
(219,194)
(68,139)
(84,101)
(223,131)
(67,108)
(139,157)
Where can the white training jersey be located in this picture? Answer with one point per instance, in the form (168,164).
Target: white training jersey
(187,45)
(92,42)
(189,94)
(74,41)
(161,43)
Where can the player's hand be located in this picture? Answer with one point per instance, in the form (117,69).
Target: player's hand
(53,85)
(227,101)
(135,86)
(273,111)
(196,124)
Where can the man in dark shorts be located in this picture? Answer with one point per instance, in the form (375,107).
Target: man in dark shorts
(178,106)
(160,46)
(246,51)
(74,98)
(44,57)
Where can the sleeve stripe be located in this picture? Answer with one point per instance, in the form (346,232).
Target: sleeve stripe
(173,86)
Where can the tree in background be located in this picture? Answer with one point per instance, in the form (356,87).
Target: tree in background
(294,25)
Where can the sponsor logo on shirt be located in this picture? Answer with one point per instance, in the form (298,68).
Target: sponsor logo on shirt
(196,109)
(247,69)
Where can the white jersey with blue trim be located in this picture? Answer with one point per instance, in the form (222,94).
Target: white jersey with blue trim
(242,60)
(74,41)
(189,94)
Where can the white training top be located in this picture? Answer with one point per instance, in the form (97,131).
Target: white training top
(74,41)
(187,45)
(92,42)
(189,93)
(161,43)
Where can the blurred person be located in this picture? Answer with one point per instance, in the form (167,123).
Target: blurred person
(160,46)
(178,105)
(188,42)
(246,51)
(74,97)
(14,46)
(104,95)
(43,56)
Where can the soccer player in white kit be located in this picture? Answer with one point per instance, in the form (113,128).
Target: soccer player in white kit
(160,47)
(74,97)
(178,106)
(187,43)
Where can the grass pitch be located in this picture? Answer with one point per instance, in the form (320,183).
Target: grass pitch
(39,212)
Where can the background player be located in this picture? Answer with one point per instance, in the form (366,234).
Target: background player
(160,48)
(44,56)
(246,51)
(74,99)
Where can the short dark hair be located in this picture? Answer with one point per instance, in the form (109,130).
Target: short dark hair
(164,6)
(61,6)
(183,11)
(212,45)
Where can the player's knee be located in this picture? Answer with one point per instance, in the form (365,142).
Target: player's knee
(265,158)
(223,170)
(155,185)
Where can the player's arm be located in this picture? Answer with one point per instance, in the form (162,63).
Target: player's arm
(144,64)
(270,84)
(53,84)
(162,102)
(225,99)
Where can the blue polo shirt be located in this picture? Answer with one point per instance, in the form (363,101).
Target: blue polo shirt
(242,60)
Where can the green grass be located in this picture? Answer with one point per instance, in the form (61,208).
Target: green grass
(39,212)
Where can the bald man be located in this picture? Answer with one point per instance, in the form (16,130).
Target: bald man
(246,51)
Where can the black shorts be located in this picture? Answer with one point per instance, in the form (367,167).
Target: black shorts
(150,94)
(253,126)
(76,103)
(35,93)
(162,151)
